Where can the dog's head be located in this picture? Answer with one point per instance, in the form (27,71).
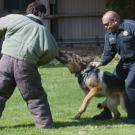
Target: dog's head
(74,62)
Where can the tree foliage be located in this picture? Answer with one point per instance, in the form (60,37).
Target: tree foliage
(126,8)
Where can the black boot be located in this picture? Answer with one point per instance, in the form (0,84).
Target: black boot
(104,115)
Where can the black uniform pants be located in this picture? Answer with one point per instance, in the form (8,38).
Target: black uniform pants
(126,71)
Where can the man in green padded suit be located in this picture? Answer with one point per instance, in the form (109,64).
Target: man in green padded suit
(27,45)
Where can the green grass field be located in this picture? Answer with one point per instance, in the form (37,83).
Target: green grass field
(65,97)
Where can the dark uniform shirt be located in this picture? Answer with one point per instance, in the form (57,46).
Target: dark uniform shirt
(121,42)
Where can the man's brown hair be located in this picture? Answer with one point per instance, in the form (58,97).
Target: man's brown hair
(35,7)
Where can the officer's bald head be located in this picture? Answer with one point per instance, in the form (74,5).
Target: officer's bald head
(110,15)
(111,20)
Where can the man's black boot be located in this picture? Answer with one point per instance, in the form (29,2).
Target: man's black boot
(104,115)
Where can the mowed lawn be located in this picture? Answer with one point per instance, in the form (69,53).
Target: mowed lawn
(65,97)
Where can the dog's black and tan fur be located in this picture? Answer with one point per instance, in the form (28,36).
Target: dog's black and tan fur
(95,83)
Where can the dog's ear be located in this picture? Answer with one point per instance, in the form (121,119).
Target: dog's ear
(79,59)
(87,59)
(83,61)
(70,55)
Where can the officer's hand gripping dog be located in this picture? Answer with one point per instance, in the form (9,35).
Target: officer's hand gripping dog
(94,83)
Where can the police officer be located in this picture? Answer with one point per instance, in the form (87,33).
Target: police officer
(120,38)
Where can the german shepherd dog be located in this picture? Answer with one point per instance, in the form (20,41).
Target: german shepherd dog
(94,83)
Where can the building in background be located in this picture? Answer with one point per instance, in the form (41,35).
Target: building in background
(72,22)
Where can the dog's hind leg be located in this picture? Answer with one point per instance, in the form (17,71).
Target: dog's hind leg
(112,104)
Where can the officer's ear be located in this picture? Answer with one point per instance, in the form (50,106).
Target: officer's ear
(115,21)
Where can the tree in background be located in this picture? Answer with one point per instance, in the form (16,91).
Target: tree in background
(126,8)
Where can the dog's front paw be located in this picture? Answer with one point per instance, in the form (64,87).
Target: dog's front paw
(77,116)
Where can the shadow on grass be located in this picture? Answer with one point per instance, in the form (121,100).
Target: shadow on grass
(17,126)
(73,123)
(88,121)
